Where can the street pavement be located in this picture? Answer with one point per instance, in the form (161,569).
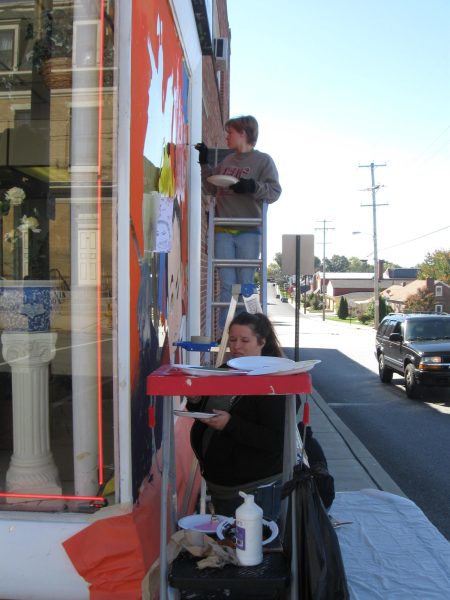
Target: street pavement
(349,462)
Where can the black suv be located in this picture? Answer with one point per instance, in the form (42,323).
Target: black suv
(417,346)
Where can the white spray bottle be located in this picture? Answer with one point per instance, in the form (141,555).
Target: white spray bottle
(249,517)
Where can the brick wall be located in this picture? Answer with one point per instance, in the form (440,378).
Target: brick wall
(216,111)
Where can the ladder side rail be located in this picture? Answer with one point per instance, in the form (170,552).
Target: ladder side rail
(210,272)
(263,290)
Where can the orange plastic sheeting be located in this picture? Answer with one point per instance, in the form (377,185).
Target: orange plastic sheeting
(114,554)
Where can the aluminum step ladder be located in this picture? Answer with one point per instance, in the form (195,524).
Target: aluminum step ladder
(214,263)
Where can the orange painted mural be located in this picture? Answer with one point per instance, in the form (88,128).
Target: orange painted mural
(158,192)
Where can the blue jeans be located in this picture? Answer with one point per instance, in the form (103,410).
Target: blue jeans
(241,246)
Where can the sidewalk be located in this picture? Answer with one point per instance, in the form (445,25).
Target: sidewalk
(389,547)
(349,461)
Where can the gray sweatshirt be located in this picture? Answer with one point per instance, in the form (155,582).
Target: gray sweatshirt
(249,165)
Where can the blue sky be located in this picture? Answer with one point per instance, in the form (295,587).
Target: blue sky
(336,84)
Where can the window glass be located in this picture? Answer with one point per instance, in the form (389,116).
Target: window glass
(57,292)
(397,327)
(383,327)
(6,49)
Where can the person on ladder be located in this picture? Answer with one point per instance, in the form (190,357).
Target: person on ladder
(257,182)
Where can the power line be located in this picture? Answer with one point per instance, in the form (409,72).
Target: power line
(423,155)
(409,241)
(416,238)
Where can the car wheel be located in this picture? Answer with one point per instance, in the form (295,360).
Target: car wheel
(411,386)
(384,372)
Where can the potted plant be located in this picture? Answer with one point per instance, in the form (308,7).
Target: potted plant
(25,304)
(52,52)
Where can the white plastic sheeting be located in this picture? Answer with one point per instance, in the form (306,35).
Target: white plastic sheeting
(391,551)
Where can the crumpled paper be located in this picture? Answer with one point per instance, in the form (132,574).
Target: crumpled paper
(199,545)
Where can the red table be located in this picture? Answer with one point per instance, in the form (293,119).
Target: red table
(171,381)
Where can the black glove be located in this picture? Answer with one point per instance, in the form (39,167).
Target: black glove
(202,153)
(244,186)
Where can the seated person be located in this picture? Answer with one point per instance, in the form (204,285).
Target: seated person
(241,448)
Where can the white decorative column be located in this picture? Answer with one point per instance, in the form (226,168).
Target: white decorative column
(32,469)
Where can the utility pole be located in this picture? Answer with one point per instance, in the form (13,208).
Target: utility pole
(323,286)
(376,287)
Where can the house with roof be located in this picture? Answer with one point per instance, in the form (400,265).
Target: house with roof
(441,296)
(400,273)
(397,295)
(358,288)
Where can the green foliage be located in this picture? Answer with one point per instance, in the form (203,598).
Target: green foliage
(390,265)
(422,301)
(4,208)
(308,299)
(364,318)
(56,36)
(384,308)
(313,301)
(278,258)
(339,264)
(273,271)
(343,308)
(436,265)
(356,265)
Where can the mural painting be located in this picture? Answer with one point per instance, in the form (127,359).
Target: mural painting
(159,155)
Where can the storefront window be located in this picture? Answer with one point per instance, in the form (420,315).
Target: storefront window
(57,182)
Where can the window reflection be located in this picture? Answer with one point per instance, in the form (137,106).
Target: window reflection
(57,97)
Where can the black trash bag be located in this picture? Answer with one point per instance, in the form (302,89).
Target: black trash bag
(321,573)
(325,483)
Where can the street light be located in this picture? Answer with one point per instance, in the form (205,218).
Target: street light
(376,287)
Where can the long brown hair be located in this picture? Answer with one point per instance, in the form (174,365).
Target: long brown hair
(263,329)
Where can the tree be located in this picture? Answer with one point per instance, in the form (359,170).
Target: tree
(356,265)
(274,272)
(422,301)
(328,268)
(436,265)
(343,308)
(384,308)
(339,264)
(390,265)
(278,258)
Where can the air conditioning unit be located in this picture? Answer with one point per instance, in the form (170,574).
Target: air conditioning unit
(221,48)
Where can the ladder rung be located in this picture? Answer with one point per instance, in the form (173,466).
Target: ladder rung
(215,263)
(219,304)
(227,221)
(236,262)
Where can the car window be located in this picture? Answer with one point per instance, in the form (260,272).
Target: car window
(383,327)
(424,330)
(414,330)
(445,326)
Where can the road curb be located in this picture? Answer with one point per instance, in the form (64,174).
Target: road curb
(378,475)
